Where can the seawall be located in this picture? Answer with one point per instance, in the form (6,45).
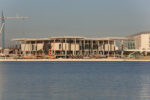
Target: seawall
(89,60)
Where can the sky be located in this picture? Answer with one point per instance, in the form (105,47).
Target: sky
(88,18)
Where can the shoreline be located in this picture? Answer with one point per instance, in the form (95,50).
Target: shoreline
(75,60)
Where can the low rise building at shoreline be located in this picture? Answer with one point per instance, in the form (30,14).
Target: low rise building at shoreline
(139,41)
(79,47)
(68,46)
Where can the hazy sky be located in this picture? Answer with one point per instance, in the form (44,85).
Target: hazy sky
(91,18)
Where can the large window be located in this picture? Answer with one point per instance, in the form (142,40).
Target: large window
(60,46)
(131,44)
(33,47)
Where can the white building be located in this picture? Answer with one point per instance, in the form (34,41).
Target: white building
(69,46)
(141,41)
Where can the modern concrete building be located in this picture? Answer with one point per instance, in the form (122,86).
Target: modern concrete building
(139,42)
(75,46)
(68,46)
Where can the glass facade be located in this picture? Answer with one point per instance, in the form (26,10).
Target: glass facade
(131,44)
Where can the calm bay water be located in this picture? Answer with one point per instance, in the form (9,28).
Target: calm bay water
(74,80)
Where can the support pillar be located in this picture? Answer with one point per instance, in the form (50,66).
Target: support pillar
(108,48)
(92,47)
(30,48)
(98,47)
(84,46)
(36,48)
(114,48)
(65,49)
(75,46)
(103,47)
(122,49)
(24,49)
(54,47)
(16,48)
(80,46)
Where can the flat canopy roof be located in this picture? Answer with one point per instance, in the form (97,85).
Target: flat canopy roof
(29,39)
(107,38)
(50,38)
(69,37)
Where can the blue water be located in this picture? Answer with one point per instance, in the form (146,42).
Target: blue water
(74,80)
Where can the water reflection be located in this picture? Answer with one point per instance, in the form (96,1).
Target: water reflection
(74,81)
(1,81)
(145,90)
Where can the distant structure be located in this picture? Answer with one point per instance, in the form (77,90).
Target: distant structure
(138,42)
(75,46)
(2,29)
(69,46)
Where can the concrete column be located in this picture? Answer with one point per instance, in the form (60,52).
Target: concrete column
(89,43)
(75,46)
(16,47)
(43,48)
(114,48)
(97,46)
(92,47)
(54,47)
(48,46)
(62,45)
(89,49)
(36,48)
(122,51)
(84,46)
(103,47)
(24,52)
(30,48)
(80,46)
(108,48)
(20,47)
(65,49)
